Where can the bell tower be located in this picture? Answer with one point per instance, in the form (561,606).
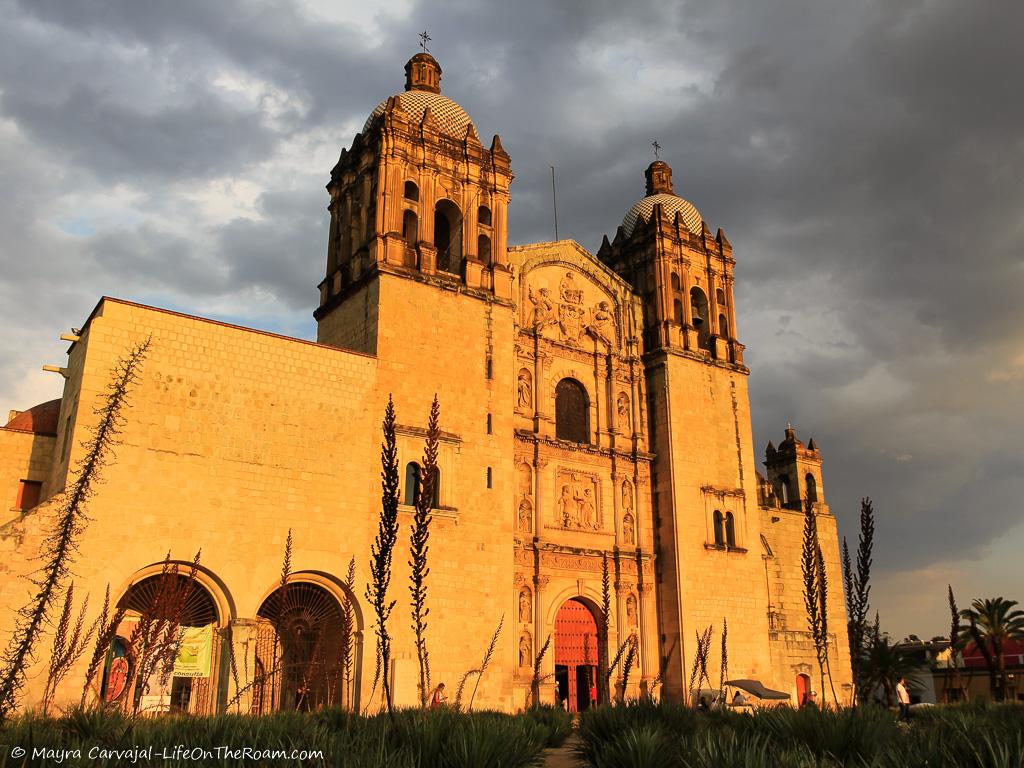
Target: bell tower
(683,273)
(416,194)
(794,472)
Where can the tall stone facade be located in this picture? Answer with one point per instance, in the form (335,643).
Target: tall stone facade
(594,412)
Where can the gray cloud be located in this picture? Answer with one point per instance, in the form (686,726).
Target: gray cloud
(865,161)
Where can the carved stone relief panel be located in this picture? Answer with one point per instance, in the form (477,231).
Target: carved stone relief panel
(577,506)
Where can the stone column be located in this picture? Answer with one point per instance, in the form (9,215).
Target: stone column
(540,633)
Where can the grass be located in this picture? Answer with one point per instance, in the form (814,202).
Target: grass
(672,736)
(442,738)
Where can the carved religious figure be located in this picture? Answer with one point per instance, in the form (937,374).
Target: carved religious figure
(543,308)
(525,399)
(602,325)
(628,533)
(566,507)
(568,291)
(525,605)
(525,516)
(577,503)
(622,409)
(525,650)
(627,495)
(631,610)
(587,512)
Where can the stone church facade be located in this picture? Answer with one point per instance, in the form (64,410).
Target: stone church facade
(593,409)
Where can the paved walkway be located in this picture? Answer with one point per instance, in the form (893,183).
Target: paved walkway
(565,755)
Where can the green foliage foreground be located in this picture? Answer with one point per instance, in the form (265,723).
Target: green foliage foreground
(671,736)
(442,738)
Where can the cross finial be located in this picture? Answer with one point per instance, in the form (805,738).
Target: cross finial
(424,39)
(657,149)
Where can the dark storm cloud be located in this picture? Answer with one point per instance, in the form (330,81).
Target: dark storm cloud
(865,160)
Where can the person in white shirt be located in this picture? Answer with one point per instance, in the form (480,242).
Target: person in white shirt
(903,697)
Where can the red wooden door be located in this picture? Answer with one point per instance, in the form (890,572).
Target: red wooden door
(576,648)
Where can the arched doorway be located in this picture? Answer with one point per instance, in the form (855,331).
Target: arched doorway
(576,654)
(170,619)
(306,652)
(803,687)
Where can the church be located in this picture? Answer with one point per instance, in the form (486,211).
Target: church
(593,409)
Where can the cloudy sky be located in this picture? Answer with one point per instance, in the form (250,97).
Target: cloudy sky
(865,158)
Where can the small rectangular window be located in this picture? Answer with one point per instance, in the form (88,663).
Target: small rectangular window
(490,368)
(28,494)
(488,477)
(488,423)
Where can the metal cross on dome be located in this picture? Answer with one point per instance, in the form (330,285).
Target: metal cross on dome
(424,39)
(657,149)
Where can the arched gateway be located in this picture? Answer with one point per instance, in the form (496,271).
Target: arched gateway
(576,654)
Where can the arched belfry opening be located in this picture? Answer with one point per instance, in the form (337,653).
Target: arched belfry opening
(699,318)
(576,648)
(448,236)
(572,412)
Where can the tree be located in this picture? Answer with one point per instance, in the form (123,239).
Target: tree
(884,663)
(812,563)
(61,545)
(991,622)
(383,548)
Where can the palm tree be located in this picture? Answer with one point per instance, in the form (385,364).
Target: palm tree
(884,663)
(991,622)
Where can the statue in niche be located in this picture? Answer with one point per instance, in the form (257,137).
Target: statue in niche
(525,610)
(622,408)
(631,610)
(543,308)
(525,480)
(525,650)
(577,504)
(525,399)
(602,325)
(627,496)
(525,516)
(628,535)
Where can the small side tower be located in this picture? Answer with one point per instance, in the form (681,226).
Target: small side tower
(794,473)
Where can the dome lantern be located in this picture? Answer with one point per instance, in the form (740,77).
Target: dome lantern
(423,73)
(659,178)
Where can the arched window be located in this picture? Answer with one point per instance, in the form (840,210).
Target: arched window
(784,490)
(719,535)
(412,483)
(699,307)
(483,215)
(677,311)
(572,412)
(812,487)
(412,192)
(723,327)
(720,297)
(730,530)
(675,282)
(448,235)
(410,227)
(483,249)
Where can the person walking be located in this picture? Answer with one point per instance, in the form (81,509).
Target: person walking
(903,697)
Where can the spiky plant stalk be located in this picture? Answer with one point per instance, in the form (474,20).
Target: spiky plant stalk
(384,547)
(61,545)
(419,547)
(603,626)
(488,655)
(954,640)
(822,579)
(107,629)
(537,679)
(724,669)
(348,629)
(812,598)
(859,589)
(704,648)
(627,664)
(67,648)
(693,671)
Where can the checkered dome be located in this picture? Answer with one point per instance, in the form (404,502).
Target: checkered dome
(451,118)
(670,204)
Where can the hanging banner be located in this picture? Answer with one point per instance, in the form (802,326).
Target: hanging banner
(195,652)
